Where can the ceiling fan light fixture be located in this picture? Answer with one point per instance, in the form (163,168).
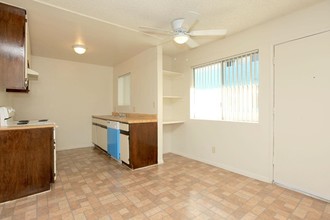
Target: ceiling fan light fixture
(79,49)
(181,38)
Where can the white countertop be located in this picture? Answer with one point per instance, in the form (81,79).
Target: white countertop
(32,124)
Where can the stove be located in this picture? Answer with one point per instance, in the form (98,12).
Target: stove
(29,123)
(7,121)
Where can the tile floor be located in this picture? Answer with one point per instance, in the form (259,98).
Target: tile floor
(92,186)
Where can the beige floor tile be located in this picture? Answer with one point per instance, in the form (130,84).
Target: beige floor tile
(90,185)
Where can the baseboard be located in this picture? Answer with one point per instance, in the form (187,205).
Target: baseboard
(71,148)
(297,189)
(226,167)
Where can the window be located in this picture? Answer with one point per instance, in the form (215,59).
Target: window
(227,89)
(124,90)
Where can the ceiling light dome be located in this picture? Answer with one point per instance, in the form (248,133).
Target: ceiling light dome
(181,38)
(79,49)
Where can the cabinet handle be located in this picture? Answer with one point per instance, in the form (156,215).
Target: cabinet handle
(102,126)
(26,83)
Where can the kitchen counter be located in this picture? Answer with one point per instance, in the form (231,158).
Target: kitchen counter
(136,134)
(130,118)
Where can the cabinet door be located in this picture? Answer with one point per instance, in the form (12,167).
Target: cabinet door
(94,135)
(143,144)
(25,162)
(12,47)
(102,137)
(124,148)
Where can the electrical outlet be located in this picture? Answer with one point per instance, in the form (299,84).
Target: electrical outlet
(213,149)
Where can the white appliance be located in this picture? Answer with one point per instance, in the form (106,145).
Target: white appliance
(6,115)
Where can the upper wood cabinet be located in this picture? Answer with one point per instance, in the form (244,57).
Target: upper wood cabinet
(13,48)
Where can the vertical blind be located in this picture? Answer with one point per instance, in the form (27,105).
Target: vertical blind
(227,90)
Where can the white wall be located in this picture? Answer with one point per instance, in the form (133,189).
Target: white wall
(143,69)
(5,98)
(68,93)
(242,147)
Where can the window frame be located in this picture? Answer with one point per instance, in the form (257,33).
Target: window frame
(251,84)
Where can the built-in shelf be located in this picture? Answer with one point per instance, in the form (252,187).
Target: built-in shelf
(171,73)
(172,122)
(172,97)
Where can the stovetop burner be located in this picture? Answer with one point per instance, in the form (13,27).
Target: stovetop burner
(24,122)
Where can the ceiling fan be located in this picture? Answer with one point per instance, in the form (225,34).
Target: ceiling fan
(181,30)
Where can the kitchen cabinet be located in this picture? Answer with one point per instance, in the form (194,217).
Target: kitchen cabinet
(138,137)
(26,162)
(100,133)
(94,136)
(172,98)
(142,144)
(13,63)
(124,143)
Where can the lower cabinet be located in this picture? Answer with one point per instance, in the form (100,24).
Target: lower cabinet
(26,162)
(138,141)
(100,134)
(94,136)
(102,137)
(124,148)
(142,145)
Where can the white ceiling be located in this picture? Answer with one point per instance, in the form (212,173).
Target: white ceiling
(109,28)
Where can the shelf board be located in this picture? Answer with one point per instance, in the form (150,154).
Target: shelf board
(171,73)
(172,97)
(172,122)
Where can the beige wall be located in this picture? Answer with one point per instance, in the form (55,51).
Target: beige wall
(67,93)
(143,69)
(5,98)
(243,147)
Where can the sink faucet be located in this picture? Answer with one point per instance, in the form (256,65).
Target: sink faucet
(122,115)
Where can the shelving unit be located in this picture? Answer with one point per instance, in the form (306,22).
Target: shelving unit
(172,98)
(171,73)
(172,122)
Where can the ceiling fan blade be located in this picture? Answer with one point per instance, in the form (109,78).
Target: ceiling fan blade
(191,43)
(190,19)
(215,32)
(151,30)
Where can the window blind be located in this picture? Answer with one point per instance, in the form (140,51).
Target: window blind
(228,89)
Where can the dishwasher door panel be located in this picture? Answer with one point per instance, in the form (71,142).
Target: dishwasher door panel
(113,139)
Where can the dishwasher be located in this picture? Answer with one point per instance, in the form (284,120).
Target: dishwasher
(113,139)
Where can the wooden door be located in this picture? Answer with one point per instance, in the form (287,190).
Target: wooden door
(302,115)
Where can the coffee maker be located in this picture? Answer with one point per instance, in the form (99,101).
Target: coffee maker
(6,115)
